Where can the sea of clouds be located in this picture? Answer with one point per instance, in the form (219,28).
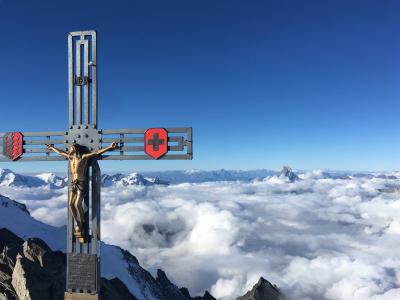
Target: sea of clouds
(316,238)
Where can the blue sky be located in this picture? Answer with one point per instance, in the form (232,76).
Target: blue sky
(310,84)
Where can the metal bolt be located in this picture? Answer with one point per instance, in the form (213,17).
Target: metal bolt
(66,141)
(86,126)
(86,135)
(91,141)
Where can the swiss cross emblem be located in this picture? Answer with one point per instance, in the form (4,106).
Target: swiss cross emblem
(12,145)
(156,142)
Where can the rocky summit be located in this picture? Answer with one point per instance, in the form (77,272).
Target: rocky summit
(262,290)
(288,174)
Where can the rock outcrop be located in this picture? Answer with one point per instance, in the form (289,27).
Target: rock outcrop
(10,244)
(30,270)
(115,289)
(160,287)
(262,290)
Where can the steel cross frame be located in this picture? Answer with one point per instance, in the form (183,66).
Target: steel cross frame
(83,260)
(34,144)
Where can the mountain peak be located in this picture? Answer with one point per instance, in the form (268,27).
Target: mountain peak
(262,290)
(288,173)
(9,178)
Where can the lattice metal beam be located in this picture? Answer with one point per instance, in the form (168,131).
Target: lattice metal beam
(82,78)
(180,145)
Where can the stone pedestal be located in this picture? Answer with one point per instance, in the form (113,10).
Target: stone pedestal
(80,296)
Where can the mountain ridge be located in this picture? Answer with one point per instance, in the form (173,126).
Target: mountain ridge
(51,180)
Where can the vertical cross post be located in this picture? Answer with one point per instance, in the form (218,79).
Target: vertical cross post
(83,264)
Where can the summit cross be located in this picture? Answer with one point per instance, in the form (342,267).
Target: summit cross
(82,145)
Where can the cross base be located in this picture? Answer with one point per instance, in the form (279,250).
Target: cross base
(80,296)
(80,237)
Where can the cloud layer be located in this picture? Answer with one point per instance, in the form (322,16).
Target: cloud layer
(317,238)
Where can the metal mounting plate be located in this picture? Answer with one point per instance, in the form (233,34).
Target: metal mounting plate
(81,271)
(86,136)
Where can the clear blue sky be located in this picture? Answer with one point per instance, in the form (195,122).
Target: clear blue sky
(310,84)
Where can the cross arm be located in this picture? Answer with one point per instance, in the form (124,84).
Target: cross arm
(179,144)
(132,144)
(32,145)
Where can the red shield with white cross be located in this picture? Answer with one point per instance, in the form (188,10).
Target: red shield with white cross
(12,145)
(156,142)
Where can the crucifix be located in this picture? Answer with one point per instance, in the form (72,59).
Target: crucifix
(82,145)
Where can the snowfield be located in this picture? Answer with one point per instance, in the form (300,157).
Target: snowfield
(317,235)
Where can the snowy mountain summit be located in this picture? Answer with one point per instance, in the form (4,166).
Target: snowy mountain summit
(53,180)
(131,179)
(10,178)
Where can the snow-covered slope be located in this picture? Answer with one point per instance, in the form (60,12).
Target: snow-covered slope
(9,178)
(15,217)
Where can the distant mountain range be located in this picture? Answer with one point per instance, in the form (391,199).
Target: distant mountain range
(10,178)
(198,176)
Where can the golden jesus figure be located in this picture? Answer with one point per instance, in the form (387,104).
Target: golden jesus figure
(78,165)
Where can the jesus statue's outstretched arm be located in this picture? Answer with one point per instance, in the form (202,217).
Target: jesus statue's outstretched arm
(58,151)
(113,146)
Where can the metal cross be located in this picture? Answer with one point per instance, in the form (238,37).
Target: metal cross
(83,260)
(155,142)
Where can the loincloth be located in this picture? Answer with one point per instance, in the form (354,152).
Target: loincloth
(82,186)
(78,185)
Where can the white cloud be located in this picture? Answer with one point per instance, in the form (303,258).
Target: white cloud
(318,238)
